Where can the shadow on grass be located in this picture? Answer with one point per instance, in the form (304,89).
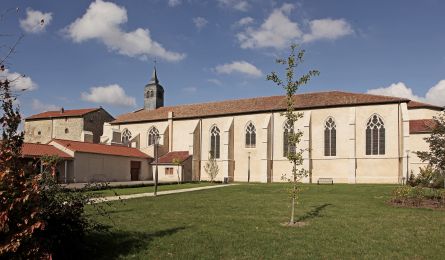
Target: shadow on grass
(314,213)
(113,245)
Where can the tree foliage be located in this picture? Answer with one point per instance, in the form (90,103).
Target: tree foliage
(19,191)
(211,168)
(436,141)
(291,86)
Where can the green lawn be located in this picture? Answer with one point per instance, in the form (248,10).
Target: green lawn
(164,187)
(243,222)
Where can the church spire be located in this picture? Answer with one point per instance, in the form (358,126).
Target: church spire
(153,92)
(154,77)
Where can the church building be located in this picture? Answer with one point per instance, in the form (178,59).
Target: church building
(349,137)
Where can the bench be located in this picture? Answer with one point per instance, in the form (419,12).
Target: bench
(325,181)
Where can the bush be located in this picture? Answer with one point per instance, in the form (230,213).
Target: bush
(428,177)
(418,196)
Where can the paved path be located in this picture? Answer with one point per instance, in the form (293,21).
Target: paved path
(80,185)
(151,194)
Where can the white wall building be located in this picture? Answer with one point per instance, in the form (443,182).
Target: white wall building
(352,138)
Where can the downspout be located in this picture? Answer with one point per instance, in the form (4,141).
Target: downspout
(200,148)
(272,136)
(66,171)
(355,145)
(400,171)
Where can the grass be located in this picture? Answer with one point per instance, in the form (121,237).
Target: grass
(146,189)
(243,222)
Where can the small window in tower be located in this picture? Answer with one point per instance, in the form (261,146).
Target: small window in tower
(39,133)
(150,93)
(67,131)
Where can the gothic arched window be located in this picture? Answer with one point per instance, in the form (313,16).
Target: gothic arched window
(126,136)
(214,142)
(153,134)
(375,136)
(287,148)
(250,136)
(330,137)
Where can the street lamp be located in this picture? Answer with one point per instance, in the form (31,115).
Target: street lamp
(157,137)
(407,166)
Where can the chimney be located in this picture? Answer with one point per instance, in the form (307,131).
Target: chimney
(62,110)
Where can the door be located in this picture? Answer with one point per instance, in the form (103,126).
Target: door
(135,170)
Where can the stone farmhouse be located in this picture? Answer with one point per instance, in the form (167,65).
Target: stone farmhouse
(84,125)
(350,137)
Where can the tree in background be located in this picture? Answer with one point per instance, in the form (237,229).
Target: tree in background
(436,141)
(177,162)
(211,168)
(291,86)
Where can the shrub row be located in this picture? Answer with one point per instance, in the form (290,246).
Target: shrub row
(418,196)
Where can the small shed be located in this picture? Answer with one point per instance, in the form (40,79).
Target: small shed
(174,167)
(101,162)
(32,153)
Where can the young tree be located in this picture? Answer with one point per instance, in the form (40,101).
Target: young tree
(436,154)
(211,168)
(177,162)
(291,86)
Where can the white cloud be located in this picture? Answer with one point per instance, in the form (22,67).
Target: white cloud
(244,21)
(327,29)
(215,81)
(173,3)
(190,89)
(35,21)
(435,95)
(200,22)
(279,31)
(111,94)
(18,82)
(102,21)
(240,5)
(38,106)
(243,67)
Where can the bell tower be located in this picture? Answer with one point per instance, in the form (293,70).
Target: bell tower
(153,93)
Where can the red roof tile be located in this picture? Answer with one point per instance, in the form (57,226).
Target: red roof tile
(66,113)
(39,150)
(260,104)
(169,157)
(421,126)
(415,104)
(117,150)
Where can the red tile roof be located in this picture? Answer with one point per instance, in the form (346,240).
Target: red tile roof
(421,126)
(66,113)
(415,104)
(38,150)
(169,157)
(117,150)
(260,104)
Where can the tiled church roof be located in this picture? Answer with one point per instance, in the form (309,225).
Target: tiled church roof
(39,150)
(415,104)
(260,104)
(421,126)
(169,157)
(62,113)
(117,150)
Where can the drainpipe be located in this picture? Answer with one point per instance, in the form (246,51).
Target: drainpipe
(66,170)
(170,131)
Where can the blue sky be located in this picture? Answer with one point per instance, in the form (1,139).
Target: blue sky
(100,53)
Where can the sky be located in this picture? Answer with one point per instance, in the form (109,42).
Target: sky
(82,54)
